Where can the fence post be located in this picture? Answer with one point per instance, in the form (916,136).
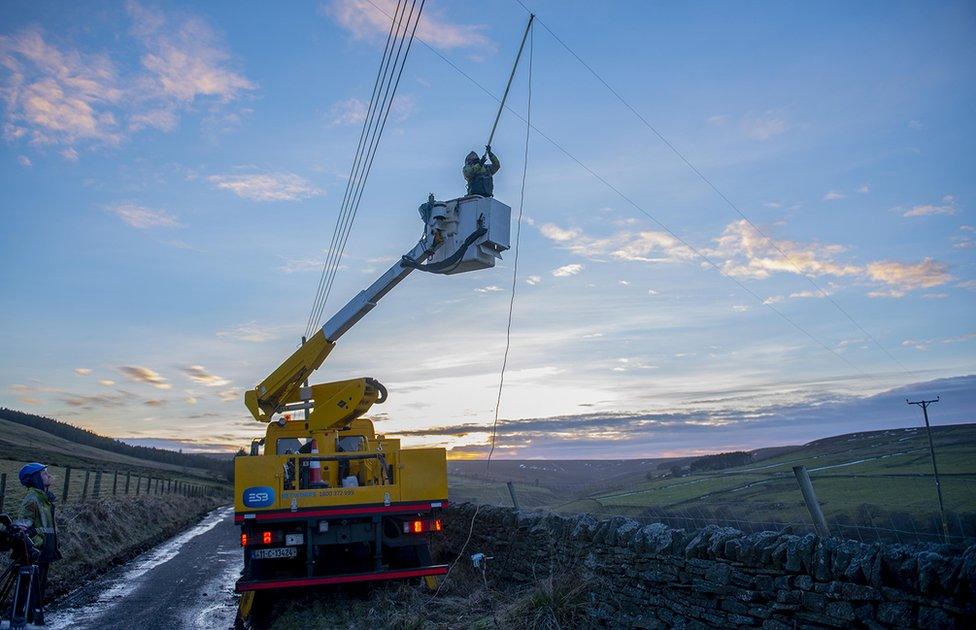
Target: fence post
(3,488)
(98,484)
(115,482)
(128,475)
(810,498)
(67,479)
(511,491)
(84,490)
(138,483)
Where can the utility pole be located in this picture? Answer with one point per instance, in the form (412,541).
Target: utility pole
(924,404)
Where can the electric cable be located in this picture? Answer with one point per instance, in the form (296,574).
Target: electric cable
(515,258)
(511,302)
(360,171)
(722,195)
(640,209)
(373,128)
(358,193)
(381,72)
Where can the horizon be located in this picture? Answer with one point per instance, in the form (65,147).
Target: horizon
(173,173)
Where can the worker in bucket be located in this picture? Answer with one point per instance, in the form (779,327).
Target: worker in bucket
(478,173)
(37,507)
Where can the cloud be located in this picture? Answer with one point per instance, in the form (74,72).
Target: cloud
(489,289)
(349,112)
(143,218)
(229,395)
(905,277)
(24,161)
(567,270)
(353,111)
(144,375)
(719,119)
(652,246)
(725,421)
(367,22)
(82,371)
(556,233)
(863,189)
(57,95)
(254,332)
(184,60)
(267,186)
(199,374)
(810,293)
(765,127)
(106,382)
(533,280)
(155,402)
(833,195)
(190,400)
(746,253)
(644,246)
(948,207)
(96,401)
(927,343)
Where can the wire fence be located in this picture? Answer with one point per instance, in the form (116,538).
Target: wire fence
(80,484)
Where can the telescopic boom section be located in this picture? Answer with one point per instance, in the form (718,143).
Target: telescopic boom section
(284,384)
(469,233)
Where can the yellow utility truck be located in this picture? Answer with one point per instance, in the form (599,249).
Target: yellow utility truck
(321,498)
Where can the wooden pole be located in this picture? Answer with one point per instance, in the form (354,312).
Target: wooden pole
(810,498)
(511,491)
(67,479)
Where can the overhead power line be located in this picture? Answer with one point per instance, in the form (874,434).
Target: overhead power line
(640,209)
(722,195)
(388,80)
(518,227)
(380,74)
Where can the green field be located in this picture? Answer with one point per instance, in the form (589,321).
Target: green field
(867,483)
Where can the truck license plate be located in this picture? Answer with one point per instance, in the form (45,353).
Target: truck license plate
(276,552)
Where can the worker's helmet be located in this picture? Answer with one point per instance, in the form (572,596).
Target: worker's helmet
(28,471)
(472,158)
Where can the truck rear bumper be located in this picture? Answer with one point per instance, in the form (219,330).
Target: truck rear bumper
(343,511)
(373,576)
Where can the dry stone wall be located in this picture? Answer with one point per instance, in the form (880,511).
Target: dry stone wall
(652,576)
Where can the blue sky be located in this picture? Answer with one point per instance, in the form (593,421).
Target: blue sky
(172,173)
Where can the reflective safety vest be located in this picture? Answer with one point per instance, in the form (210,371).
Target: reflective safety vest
(38,509)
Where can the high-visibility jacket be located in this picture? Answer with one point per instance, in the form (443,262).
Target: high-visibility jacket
(37,508)
(479,176)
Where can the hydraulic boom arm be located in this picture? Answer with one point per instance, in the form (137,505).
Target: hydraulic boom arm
(459,235)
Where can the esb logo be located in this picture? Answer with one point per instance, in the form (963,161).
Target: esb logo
(259,496)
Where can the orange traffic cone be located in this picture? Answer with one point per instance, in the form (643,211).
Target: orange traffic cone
(314,466)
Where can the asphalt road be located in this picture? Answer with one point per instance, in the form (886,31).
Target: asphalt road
(186,582)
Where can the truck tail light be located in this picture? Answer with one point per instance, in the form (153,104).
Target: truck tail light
(243,540)
(421,526)
(266,538)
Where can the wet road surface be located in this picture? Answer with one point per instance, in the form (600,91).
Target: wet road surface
(185,582)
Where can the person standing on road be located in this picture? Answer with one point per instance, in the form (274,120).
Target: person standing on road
(37,507)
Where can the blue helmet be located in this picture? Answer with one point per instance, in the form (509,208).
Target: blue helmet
(28,471)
